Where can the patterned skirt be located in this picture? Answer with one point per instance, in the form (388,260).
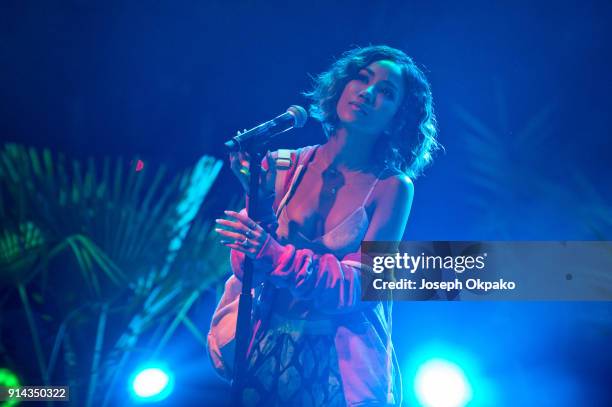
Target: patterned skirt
(293,362)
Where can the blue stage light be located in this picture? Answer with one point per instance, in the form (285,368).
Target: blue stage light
(151,384)
(440,383)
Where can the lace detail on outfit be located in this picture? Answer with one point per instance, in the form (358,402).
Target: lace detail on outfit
(290,367)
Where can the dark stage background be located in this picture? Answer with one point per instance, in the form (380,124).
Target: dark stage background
(522,96)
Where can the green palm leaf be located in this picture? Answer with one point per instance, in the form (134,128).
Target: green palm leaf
(132,239)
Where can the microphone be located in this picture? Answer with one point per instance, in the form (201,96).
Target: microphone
(294,117)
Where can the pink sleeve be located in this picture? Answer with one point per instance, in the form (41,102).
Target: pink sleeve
(237,263)
(220,338)
(334,285)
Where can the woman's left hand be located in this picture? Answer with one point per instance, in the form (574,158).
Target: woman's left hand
(242,233)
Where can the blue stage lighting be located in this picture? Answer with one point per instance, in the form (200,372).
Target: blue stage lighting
(440,383)
(151,384)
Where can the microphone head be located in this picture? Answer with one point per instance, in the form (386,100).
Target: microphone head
(299,115)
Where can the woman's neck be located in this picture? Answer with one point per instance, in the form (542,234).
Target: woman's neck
(349,151)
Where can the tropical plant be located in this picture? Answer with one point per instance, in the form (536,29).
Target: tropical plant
(96,256)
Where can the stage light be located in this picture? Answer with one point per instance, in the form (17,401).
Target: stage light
(9,379)
(440,383)
(151,384)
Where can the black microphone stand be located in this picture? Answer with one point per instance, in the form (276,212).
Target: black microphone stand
(245,304)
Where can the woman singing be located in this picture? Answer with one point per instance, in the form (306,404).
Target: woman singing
(314,341)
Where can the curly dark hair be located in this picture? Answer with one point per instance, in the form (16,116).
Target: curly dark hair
(409,147)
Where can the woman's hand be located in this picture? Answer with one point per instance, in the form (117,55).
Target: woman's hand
(242,233)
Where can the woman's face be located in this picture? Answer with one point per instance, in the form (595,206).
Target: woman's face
(369,102)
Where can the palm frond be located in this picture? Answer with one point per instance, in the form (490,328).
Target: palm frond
(130,237)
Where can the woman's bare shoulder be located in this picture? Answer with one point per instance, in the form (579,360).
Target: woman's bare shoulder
(396,184)
(391,203)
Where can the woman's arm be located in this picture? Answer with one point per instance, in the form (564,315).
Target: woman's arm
(333,284)
(393,201)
